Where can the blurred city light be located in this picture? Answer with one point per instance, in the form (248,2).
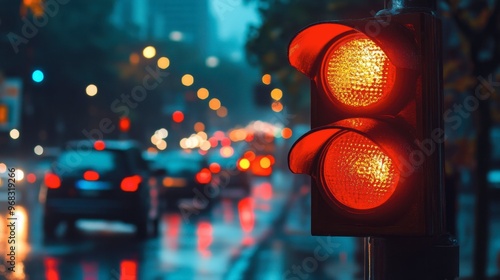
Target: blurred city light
(277,106)
(187,80)
(266,79)
(37,76)
(161,145)
(31,178)
(276,94)
(149,52)
(214,104)
(178,116)
(124,124)
(265,162)
(155,139)
(38,150)
(91,90)
(286,133)
(134,58)
(3,167)
(202,135)
(176,36)
(199,126)
(222,112)
(14,134)
(212,61)
(202,93)
(214,167)
(162,133)
(205,146)
(163,62)
(226,151)
(19,174)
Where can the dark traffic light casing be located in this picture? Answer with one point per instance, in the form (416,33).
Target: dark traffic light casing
(375,148)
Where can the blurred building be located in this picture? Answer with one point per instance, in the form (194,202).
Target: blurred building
(189,21)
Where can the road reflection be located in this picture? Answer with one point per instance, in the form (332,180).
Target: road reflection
(15,246)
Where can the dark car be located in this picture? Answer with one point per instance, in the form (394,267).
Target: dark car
(187,175)
(233,181)
(100,180)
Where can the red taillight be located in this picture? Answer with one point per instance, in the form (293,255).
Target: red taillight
(52,181)
(91,175)
(130,184)
(99,145)
(358,173)
(204,176)
(215,167)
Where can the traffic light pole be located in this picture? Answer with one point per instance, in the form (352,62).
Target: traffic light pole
(394,258)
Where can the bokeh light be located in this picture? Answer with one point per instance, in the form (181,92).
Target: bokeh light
(276,94)
(91,90)
(31,178)
(163,62)
(14,134)
(176,36)
(222,112)
(226,151)
(286,132)
(149,52)
(187,80)
(162,133)
(38,150)
(277,106)
(266,79)
(202,93)
(212,61)
(199,126)
(3,167)
(178,116)
(161,145)
(37,76)
(214,104)
(134,58)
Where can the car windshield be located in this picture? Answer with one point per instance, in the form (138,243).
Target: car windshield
(105,162)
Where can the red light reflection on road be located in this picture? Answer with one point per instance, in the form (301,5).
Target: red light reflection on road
(246,214)
(227,210)
(264,191)
(173,223)
(128,269)
(204,232)
(51,272)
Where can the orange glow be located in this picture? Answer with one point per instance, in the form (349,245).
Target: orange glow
(244,164)
(52,181)
(91,175)
(246,214)
(225,142)
(286,133)
(214,104)
(250,155)
(266,79)
(174,182)
(276,94)
(222,112)
(124,124)
(358,73)
(31,178)
(202,93)
(199,126)
(134,58)
(187,80)
(130,184)
(277,106)
(99,145)
(214,167)
(128,269)
(265,162)
(264,191)
(204,176)
(358,173)
(178,116)
(204,233)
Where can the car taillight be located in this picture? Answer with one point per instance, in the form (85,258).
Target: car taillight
(91,175)
(130,184)
(204,176)
(52,181)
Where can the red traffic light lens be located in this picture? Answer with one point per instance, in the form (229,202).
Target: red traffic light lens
(358,73)
(358,173)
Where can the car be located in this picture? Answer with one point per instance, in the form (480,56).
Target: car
(105,180)
(186,175)
(231,178)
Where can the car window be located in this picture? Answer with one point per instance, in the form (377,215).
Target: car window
(105,162)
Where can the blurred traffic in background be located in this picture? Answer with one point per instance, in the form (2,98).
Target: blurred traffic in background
(150,138)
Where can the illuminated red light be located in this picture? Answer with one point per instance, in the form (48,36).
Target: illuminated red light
(91,175)
(246,214)
(99,145)
(178,116)
(204,176)
(52,181)
(31,178)
(131,184)
(358,173)
(128,269)
(124,124)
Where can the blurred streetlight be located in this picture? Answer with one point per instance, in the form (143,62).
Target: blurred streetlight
(199,126)
(214,104)
(149,52)
(176,36)
(276,94)
(222,112)
(178,116)
(212,61)
(38,150)
(266,79)
(134,58)
(14,134)
(277,106)
(203,93)
(91,90)
(163,62)
(37,76)
(187,80)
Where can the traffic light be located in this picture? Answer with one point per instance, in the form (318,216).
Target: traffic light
(124,124)
(375,148)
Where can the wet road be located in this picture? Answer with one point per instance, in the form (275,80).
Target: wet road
(209,245)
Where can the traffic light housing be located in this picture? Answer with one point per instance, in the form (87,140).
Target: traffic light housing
(375,148)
